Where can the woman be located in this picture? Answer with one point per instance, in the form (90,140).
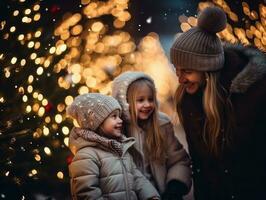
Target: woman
(221,105)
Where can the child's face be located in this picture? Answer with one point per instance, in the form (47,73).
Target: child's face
(144,103)
(112,125)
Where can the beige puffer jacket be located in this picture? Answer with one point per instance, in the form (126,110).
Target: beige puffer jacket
(177,164)
(98,172)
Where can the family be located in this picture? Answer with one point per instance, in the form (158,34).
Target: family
(126,149)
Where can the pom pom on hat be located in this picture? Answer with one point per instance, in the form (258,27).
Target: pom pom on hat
(200,48)
(212,19)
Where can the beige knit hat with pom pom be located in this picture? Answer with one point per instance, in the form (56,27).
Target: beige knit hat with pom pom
(199,48)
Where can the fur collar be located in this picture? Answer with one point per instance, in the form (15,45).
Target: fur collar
(253,71)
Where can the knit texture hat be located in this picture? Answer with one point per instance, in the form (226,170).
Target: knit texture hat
(199,48)
(90,110)
(120,87)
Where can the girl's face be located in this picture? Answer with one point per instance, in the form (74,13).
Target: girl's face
(112,125)
(144,102)
(191,79)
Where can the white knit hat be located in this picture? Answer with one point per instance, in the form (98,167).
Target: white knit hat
(120,87)
(90,110)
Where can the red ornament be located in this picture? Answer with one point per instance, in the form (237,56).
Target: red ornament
(69,159)
(48,107)
(54,9)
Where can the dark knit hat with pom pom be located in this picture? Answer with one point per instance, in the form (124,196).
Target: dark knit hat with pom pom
(199,48)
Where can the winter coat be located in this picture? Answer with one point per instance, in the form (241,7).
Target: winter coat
(102,170)
(240,171)
(177,162)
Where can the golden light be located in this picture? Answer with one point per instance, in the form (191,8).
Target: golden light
(41,111)
(35,107)
(61,107)
(60,175)
(36,7)
(69,100)
(28,109)
(52,50)
(12,29)
(7,72)
(24,98)
(66,141)
(47,151)
(23,62)
(76,30)
(37,157)
(14,60)
(40,97)
(44,102)
(15,13)
(20,37)
(27,11)
(65,130)
(33,56)
(97,26)
(76,78)
(30,44)
(37,17)
(58,118)
(34,171)
(39,70)
(2,100)
(47,119)
(46,131)
(30,89)
(37,34)
(83,90)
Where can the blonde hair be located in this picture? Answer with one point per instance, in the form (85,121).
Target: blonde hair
(218,112)
(154,144)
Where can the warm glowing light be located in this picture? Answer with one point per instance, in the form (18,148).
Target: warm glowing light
(33,56)
(46,131)
(37,157)
(14,60)
(60,175)
(66,141)
(37,17)
(37,34)
(27,11)
(23,62)
(52,50)
(15,13)
(30,44)
(41,111)
(69,100)
(28,109)
(39,70)
(40,97)
(47,119)
(44,102)
(36,7)
(83,90)
(47,151)
(65,130)
(58,118)
(24,98)
(12,29)
(21,37)
(30,89)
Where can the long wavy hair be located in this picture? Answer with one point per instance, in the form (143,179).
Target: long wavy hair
(154,144)
(219,121)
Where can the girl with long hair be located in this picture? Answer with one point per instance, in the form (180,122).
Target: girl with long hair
(158,153)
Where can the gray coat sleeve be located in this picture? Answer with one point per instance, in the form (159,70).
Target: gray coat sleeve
(84,174)
(143,186)
(178,161)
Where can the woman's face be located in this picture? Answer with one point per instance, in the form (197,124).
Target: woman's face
(192,80)
(144,102)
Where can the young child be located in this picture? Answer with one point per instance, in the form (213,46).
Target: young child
(159,155)
(102,168)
